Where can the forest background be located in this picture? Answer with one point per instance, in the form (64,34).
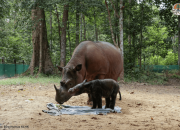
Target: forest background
(44,33)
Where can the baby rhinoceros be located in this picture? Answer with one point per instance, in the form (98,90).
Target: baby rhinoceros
(107,88)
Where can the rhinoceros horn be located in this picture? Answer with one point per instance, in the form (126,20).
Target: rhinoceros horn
(55,88)
(85,81)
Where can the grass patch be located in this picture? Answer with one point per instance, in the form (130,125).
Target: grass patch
(30,79)
(141,76)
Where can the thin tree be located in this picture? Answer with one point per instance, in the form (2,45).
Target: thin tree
(69,38)
(109,17)
(77,22)
(51,30)
(63,36)
(179,40)
(140,49)
(81,28)
(121,35)
(95,27)
(84,22)
(59,27)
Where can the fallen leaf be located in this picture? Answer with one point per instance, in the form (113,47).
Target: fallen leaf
(94,118)
(30,99)
(100,114)
(139,103)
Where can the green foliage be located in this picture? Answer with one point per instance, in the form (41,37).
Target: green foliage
(175,76)
(150,32)
(170,59)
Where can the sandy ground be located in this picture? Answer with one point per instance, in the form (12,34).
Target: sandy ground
(144,107)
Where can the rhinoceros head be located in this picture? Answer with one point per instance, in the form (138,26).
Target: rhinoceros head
(70,77)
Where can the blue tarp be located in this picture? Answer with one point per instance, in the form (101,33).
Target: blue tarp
(78,110)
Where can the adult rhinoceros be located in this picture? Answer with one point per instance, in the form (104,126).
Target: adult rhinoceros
(90,60)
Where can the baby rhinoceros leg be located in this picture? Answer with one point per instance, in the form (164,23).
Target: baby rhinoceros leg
(99,101)
(113,100)
(107,102)
(94,103)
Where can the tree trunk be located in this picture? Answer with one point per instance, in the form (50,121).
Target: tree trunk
(179,40)
(81,29)
(141,35)
(63,36)
(51,30)
(109,17)
(77,23)
(95,27)
(34,42)
(69,40)
(59,28)
(84,27)
(41,59)
(134,52)
(129,20)
(116,23)
(129,38)
(40,43)
(121,35)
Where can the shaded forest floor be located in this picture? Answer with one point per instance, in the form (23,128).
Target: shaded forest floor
(143,107)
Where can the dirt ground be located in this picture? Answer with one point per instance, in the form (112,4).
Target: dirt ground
(144,107)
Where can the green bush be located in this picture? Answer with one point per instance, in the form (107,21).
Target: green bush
(170,59)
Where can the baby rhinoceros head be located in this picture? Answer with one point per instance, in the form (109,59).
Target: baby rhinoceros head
(77,90)
(74,91)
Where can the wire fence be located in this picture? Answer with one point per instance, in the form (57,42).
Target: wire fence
(160,68)
(12,69)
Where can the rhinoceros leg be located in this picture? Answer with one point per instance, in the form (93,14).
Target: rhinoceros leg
(119,95)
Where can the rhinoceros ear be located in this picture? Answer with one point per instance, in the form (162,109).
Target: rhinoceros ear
(85,81)
(78,67)
(60,68)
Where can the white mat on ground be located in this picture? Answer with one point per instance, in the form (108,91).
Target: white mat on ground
(78,110)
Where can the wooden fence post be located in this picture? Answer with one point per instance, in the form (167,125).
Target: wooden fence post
(23,65)
(15,65)
(3,65)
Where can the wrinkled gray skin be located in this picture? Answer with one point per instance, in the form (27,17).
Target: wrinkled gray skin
(107,88)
